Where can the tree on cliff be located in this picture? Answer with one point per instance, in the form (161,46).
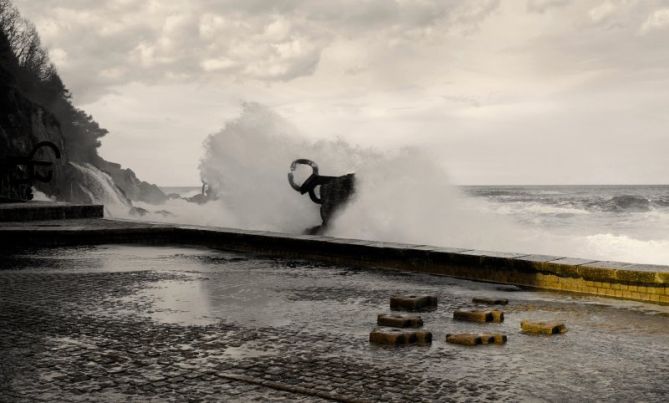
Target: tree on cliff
(37,78)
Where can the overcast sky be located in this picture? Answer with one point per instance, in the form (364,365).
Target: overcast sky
(501,92)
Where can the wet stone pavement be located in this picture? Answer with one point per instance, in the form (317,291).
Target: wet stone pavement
(131,323)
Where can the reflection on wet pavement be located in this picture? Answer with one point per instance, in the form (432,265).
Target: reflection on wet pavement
(123,322)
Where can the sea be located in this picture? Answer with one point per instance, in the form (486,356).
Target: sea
(638,211)
(621,222)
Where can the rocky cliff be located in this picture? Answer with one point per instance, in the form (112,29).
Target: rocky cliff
(34,107)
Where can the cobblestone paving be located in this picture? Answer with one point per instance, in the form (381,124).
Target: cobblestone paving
(119,323)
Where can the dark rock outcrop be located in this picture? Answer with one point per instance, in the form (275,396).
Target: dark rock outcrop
(128,182)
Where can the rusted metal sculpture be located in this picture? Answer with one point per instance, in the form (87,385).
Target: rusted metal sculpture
(21,171)
(331,192)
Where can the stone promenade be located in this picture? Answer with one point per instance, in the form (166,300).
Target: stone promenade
(147,323)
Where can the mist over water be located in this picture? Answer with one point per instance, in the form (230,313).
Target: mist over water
(406,196)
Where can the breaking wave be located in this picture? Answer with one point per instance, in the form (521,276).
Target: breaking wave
(627,203)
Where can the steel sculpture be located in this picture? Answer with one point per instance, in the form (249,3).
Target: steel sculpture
(22,171)
(330,192)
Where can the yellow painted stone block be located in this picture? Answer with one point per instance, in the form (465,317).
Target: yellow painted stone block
(493,338)
(479,316)
(396,337)
(547,328)
(466,339)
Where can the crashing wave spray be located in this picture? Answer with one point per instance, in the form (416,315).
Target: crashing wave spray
(403,197)
(245,165)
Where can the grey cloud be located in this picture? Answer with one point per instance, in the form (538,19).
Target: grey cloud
(102,44)
(541,6)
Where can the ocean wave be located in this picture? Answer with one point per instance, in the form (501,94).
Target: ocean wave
(661,201)
(538,208)
(627,203)
(578,204)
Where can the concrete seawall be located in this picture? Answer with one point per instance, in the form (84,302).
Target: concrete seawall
(649,283)
(35,210)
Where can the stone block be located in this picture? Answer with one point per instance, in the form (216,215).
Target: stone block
(548,328)
(396,320)
(497,316)
(465,339)
(473,316)
(472,339)
(493,338)
(479,316)
(490,301)
(399,337)
(413,302)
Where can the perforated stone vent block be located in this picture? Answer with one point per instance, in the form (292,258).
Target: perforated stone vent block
(413,302)
(472,339)
(547,328)
(399,337)
(493,338)
(465,339)
(397,320)
(479,316)
(497,316)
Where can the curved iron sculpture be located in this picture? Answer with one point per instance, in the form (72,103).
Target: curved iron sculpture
(334,191)
(30,163)
(313,181)
(21,171)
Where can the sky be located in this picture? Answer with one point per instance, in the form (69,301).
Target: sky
(498,92)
